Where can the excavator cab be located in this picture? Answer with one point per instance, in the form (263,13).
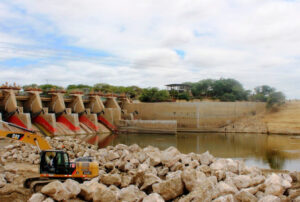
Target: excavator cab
(55,162)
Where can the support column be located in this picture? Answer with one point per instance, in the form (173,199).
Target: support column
(11,112)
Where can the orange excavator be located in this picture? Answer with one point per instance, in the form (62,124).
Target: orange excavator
(54,164)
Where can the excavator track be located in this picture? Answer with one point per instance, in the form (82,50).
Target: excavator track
(36,183)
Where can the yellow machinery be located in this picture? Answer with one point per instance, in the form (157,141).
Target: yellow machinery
(54,164)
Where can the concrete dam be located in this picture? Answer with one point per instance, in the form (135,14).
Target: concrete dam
(53,113)
(56,114)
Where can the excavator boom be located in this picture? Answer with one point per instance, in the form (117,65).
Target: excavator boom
(27,137)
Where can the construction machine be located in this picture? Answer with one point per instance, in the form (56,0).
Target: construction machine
(54,164)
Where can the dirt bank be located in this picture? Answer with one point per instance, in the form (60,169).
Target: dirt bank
(281,120)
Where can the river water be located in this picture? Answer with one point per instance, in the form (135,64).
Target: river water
(265,151)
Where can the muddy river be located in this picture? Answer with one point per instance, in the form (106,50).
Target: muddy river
(264,151)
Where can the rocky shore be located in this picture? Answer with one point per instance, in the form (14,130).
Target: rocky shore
(132,173)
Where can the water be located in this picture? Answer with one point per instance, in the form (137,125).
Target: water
(264,151)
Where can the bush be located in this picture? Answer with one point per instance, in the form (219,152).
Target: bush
(154,95)
(184,96)
(275,98)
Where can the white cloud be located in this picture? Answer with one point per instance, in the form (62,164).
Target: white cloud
(254,41)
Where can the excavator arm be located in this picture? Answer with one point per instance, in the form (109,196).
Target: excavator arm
(27,137)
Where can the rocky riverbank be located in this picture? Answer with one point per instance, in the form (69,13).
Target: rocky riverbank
(131,173)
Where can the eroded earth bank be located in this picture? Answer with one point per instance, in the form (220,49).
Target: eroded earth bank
(132,173)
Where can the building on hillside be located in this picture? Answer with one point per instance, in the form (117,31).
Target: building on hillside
(180,88)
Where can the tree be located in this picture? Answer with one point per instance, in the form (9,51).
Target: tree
(46,87)
(275,98)
(261,93)
(103,87)
(173,93)
(79,87)
(30,86)
(154,95)
(184,96)
(203,88)
(228,89)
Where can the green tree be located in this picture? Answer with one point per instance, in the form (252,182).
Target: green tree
(46,87)
(230,88)
(154,95)
(30,86)
(173,93)
(261,93)
(184,96)
(203,88)
(79,87)
(275,98)
(103,87)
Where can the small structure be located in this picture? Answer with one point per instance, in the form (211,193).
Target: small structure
(180,88)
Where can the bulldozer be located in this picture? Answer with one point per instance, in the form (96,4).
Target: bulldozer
(54,164)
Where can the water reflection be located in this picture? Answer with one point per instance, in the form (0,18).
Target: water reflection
(267,151)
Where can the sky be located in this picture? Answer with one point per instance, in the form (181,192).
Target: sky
(151,43)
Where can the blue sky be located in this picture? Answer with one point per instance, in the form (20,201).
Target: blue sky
(151,43)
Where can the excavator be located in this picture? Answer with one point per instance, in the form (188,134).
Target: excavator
(54,164)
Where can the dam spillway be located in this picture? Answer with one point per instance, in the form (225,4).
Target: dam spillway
(54,113)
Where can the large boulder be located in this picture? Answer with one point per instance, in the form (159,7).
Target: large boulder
(293,193)
(269,198)
(131,194)
(170,156)
(126,180)
(275,185)
(245,196)
(153,154)
(87,190)
(112,155)
(242,181)
(56,190)
(48,200)
(225,188)
(206,158)
(103,194)
(257,179)
(171,187)
(162,171)
(192,178)
(225,165)
(149,179)
(226,198)
(134,148)
(37,197)
(254,190)
(2,180)
(154,197)
(111,179)
(185,159)
(73,187)
(205,191)
(121,147)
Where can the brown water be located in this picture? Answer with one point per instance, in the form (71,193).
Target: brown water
(264,151)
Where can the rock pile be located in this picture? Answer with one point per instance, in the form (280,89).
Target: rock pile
(20,152)
(131,173)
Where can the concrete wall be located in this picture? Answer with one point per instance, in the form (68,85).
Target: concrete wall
(196,115)
(150,126)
